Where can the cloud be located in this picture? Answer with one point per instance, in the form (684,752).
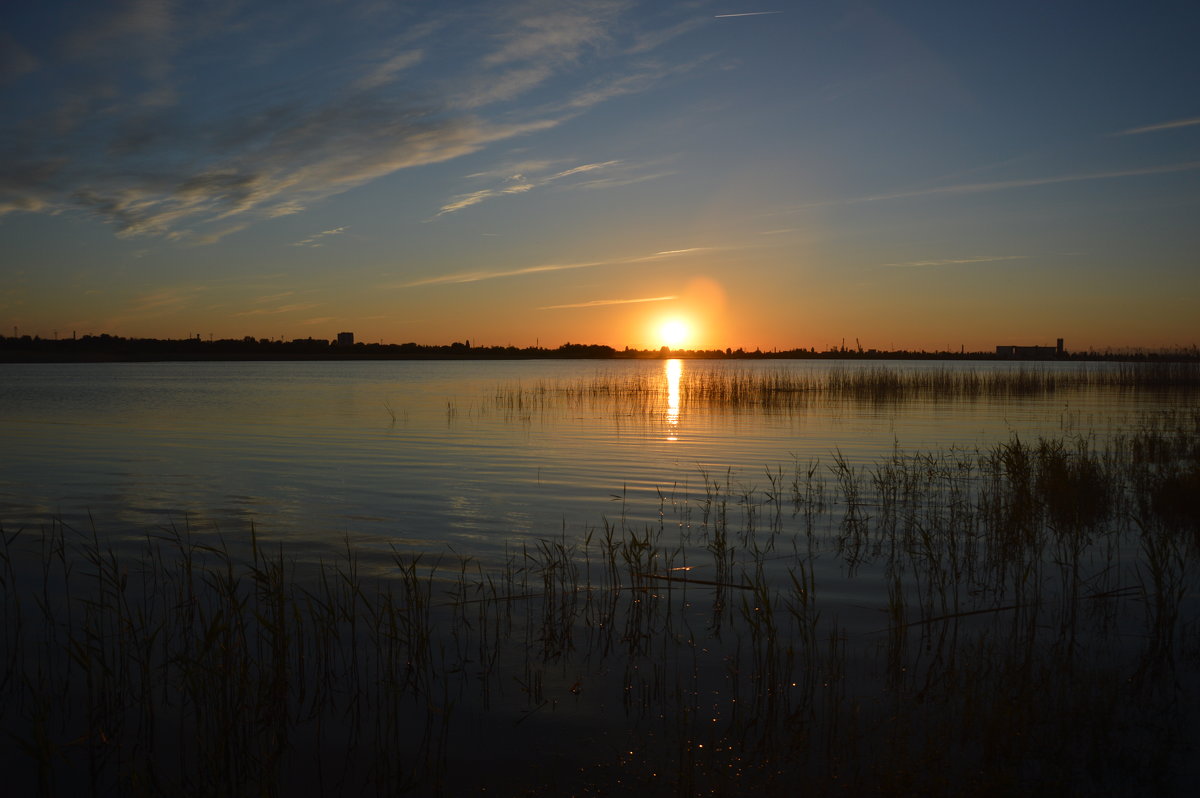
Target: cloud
(520,182)
(537,40)
(1004,185)
(1133,131)
(668,252)
(616,182)
(516,171)
(308,156)
(635,81)
(1001,185)
(576,170)
(142,31)
(476,197)
(467,200)
(747,14)
(652,40)
(15,60)
(121,136)
(387,71)
(122,22)
(595,303)
(164,300)
(196,172)
(552,32)
(474,277)
(275,297)
(25,181)
(611,87)
(958,261)
(545,40)
(477,276)
(487,88)
(317,240)
(275,311)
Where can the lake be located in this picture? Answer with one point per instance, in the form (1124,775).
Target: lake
(674,576)
(421,454)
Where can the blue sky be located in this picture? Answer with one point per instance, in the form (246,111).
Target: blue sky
(918,175)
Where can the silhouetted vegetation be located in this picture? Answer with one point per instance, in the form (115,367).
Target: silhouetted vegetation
(633,392)
(1021,619)
(109,348)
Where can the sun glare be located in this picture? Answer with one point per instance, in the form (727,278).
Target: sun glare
(674,332)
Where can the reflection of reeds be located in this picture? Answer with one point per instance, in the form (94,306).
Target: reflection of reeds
(1019,618)
(644,392)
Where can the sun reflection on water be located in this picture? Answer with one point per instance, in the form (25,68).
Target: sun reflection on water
(674,370)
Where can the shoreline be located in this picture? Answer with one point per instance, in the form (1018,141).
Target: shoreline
(219,351)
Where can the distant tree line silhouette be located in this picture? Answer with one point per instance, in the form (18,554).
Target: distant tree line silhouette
(111,348)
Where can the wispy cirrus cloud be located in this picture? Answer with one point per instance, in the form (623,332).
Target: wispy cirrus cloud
(517,170)
(637,79)
(648,40)
(193,161)
(318,239)
(519,182)
(488,88)
(475,197)
(616,181)
(162,301)
(1134,131)
(747,14)
(1003,185)
(295,307)
(274,297)
(666,253)
(596,303)
(143,32)
(578,170)
(386,71)
(477,276)
(309,155)
(534,42)
(552,31)
(15,60)
(957,261)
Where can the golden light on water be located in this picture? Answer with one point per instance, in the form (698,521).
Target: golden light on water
(674,370)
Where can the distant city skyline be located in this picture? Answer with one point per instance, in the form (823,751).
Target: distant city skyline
(697,174)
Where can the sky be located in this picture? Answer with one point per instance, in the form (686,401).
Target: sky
(919,175)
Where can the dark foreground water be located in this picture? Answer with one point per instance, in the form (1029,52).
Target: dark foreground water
(669,577)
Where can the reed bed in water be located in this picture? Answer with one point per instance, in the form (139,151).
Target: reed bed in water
(792,388)
(1021,619)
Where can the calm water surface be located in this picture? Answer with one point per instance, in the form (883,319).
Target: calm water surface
(421,454)
(996,633)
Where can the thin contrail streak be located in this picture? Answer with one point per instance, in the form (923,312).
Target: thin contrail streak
(1162,126)
(595,303)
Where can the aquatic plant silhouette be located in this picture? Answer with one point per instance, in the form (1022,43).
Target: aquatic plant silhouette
(1017,618)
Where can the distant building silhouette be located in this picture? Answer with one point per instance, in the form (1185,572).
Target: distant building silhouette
(1031,352)
(345,339)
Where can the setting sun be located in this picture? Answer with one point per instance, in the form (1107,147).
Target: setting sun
(674,332)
